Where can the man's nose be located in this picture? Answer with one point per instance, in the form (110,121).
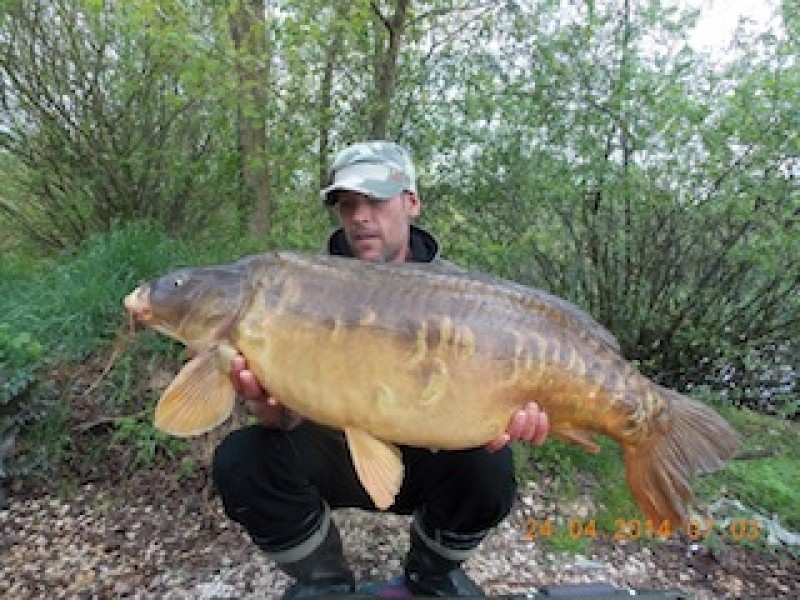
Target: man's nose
(362,212)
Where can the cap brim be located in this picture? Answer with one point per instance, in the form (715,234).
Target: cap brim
(380,190)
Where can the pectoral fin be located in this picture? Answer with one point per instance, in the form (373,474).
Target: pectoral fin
(378,464)
(581,437)
(199,398)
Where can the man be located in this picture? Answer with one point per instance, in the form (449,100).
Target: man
(281,478)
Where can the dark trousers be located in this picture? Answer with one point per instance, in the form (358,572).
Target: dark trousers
(276,483)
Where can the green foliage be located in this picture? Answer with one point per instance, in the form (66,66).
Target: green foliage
(44,443)
(102,124)
(299,223)
(146,443)
(764,477)
(63,312)
(593,153)
(75,304)
(556,455)
(653,189)
(768,482)
(20,357)
(565,462)
(571,543)
(19,354)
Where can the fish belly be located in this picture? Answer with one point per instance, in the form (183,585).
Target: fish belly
(378,382)
(447,397)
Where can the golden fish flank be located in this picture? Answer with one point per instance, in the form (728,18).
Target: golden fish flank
(420,344)
(436,383)
(521,357)
(337,330)
(445,334)
(290,294)
(464,342)
(538,345)
(425,356)
(369,318)
(385,400)
(448,340)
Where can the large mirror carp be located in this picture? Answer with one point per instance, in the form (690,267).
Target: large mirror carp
(421,355)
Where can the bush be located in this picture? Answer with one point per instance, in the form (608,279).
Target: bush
(20,356)
(73,308)
(75,304)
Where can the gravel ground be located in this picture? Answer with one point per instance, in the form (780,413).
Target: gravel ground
(155,538)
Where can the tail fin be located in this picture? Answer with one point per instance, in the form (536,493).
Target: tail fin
(695,440)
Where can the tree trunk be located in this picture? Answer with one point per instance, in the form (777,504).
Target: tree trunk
(326,110)
(249,35)
(387,50)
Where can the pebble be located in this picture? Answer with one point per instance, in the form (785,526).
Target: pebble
(138,549)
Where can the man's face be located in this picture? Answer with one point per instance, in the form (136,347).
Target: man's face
(377,230)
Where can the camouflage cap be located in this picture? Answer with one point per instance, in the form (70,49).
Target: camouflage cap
(379,169)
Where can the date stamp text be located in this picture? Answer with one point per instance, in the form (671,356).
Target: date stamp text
(737,530)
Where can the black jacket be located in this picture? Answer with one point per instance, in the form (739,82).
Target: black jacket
(424,247)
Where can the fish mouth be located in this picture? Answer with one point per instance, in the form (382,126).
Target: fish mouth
(137,303)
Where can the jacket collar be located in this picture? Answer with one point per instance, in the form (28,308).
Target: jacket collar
(424,247)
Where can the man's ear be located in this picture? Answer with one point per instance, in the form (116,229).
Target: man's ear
(413,204)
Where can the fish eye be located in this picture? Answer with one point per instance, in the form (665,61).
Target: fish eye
(180,280)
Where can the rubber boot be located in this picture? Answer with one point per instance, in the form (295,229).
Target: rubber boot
(322,572)
(428,573)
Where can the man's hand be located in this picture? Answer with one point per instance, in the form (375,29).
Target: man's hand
(529,424)
(258,401)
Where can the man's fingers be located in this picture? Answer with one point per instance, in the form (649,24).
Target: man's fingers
(251,389)
(542,430)
(529,424)
(532,421)
(498,443)
(238,363)
(237,366)
(537,424)
(516,428)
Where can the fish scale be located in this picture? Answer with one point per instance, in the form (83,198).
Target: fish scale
(422,355)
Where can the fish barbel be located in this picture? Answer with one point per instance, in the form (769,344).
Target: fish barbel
(421,355)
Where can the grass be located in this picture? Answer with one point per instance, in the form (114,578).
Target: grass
(73,303)
(72,306)
(764,477)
